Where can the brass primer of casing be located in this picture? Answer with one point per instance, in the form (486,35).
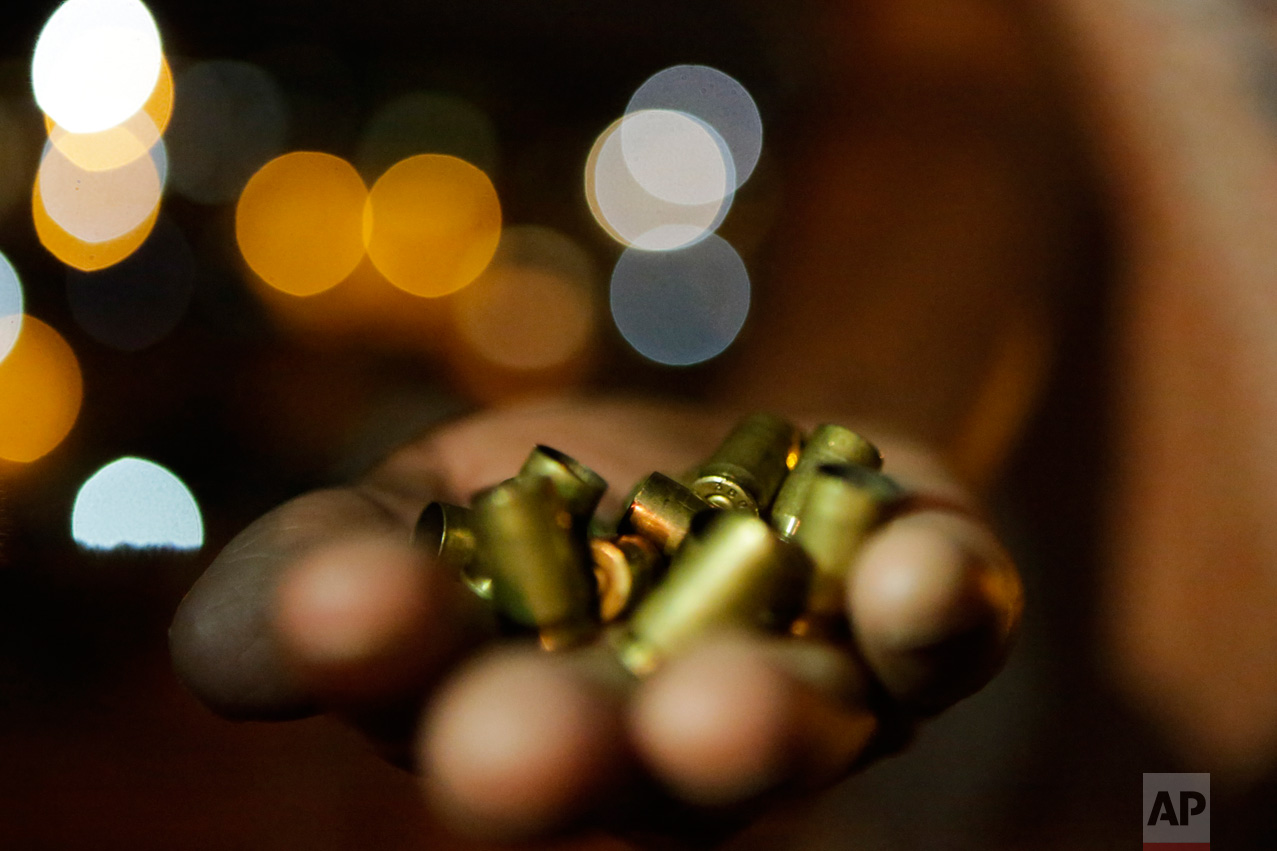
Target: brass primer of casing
(746,470)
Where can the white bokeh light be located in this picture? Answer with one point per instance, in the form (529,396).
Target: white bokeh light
(634,216)
(676,157)
(10,306)
(98,206)
(96,63)
(132,502)
(715,98)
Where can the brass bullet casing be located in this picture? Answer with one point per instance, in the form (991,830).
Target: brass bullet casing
(527,546)
(844,503)
(745,472)
(446,531)
(828,444)
(625,570)
(661,510)
(580,487)
(733,571)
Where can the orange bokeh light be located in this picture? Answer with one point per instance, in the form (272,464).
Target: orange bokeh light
(525,319)
(41,385)
(433,224)
(86,256)
(299,222)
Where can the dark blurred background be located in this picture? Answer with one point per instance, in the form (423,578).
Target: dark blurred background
(249,405)
(253,397)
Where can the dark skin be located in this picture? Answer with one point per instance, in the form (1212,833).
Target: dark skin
(322,605)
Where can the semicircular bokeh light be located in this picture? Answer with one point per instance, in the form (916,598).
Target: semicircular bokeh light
(42,388)
(11,306)
(635,216)
(714,97)
(133,502)
(96,63)
(681,307)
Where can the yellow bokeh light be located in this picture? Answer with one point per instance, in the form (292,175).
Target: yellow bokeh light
(82,255)
(433,224)
(299,222)
(122,144)
(41,386)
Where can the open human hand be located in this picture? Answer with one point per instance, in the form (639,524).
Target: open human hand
(323,605)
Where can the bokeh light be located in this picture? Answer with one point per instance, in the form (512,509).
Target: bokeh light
(676,157)
(96,63)
(82,255)
(635,217)
(136,303)
(41,385)
(132,502)
(125,142)
(100,206)
(532,309)
(10,306)
(299,222)
(434,222)
(716,98)
(233,120)
(427,123)
(681,307)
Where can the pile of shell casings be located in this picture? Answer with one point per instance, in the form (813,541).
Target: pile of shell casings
(761,535)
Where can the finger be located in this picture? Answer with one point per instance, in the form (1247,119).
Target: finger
(743,715)
(934,603)
(521,743)
(222,642)
(369,621)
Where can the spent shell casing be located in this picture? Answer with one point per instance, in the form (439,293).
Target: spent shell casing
(446,531)
(746,470)
(844,503)
(828,444)
(580,487)
(626,568)
(527,545)
(661,510)
(733,571)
